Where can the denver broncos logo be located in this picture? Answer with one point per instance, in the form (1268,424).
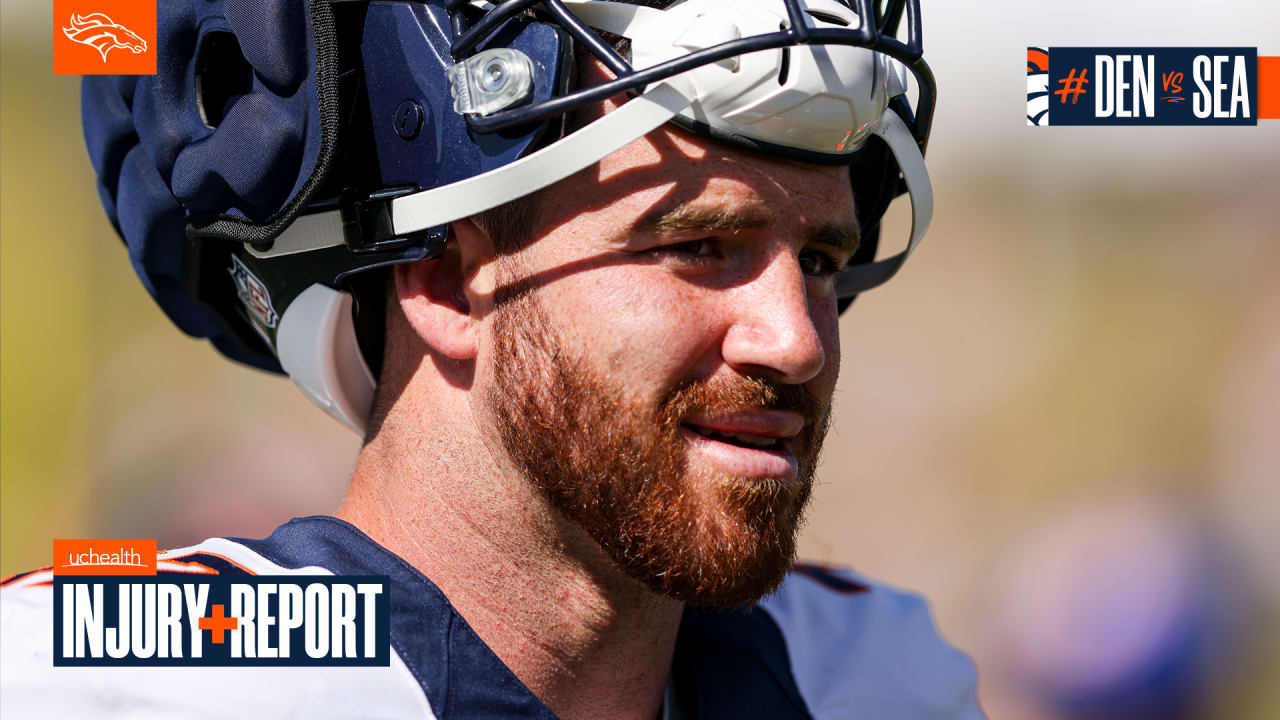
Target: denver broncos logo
(1037,86)
(101,32)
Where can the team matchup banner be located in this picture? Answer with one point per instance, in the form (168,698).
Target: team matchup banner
(1151,86)
(126,614)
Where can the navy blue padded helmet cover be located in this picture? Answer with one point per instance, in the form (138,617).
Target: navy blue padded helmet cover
(154,155)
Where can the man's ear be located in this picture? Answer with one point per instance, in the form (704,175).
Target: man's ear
(434,294)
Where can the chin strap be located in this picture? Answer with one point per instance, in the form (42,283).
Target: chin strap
(584,148)
(894,132)
(316,344)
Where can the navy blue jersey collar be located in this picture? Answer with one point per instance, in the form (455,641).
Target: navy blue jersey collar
(461,676)
(728,664)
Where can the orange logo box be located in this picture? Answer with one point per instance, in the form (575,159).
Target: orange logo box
(104,37)
(104,557)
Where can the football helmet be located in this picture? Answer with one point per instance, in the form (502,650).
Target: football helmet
(287,148)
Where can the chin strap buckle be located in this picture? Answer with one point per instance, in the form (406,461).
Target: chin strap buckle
(367,225)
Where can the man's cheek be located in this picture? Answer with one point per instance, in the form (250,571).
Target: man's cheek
(652,334)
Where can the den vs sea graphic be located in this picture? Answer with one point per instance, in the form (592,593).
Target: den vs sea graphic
(1151,86)
(119,602)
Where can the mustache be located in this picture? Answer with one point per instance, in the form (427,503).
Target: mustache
(743,393)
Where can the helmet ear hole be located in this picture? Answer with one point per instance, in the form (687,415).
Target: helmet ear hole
(223,76)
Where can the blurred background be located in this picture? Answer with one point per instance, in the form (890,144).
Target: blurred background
(1061,422)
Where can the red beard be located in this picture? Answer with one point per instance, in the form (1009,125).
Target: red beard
(618,467)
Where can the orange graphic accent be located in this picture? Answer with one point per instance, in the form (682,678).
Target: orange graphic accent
(217,623)
(1073,86)
(191,567)
(220,556)
(104,37)
(9,579)
(1172,82)
(1269,88)
(104,557)
(1037,61)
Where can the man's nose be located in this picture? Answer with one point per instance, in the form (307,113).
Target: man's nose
(773,332)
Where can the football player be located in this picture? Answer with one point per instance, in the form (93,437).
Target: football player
(573,270)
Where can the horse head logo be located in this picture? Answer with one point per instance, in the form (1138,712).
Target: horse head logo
(104,34)
(1037,86)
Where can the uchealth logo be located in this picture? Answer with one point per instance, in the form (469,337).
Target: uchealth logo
(1151,86)
(104,557)
(104,37)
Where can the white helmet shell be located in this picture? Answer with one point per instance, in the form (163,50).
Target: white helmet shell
(819,98)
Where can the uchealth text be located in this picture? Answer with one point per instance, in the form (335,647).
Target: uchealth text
(221,621)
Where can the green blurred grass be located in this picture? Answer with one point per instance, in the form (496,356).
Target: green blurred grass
(47,208)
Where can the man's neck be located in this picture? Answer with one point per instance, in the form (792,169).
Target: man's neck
(587,640)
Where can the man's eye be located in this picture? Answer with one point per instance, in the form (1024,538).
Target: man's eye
(700,248)
(819,264)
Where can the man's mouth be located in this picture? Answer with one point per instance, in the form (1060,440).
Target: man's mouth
(749,440)
(751,444)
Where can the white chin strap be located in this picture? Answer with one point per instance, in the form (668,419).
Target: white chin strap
(584,148)
(316,342)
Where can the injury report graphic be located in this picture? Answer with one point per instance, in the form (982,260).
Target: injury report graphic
(1151,86)
(119,602)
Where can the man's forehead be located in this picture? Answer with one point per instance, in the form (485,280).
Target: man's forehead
(677,148)
(672,154)
(673,167)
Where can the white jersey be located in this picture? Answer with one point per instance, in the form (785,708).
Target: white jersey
(826,645)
